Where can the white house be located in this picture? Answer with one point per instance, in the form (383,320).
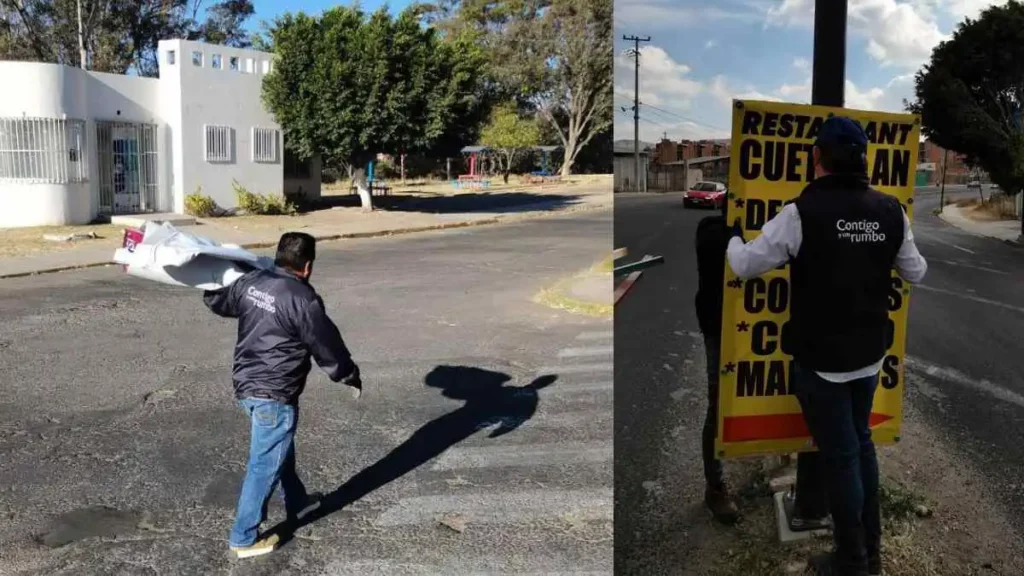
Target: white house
(76,145)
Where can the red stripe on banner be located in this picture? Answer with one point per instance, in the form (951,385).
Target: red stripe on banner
(626,284)
(775,427)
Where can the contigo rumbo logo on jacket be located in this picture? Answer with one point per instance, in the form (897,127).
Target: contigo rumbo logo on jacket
(262,300)
(860,231)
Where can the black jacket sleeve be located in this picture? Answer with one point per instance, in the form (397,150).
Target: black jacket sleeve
(223,302)
(326,345)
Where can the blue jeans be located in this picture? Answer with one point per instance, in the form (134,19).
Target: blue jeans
(271,460)
(837,416)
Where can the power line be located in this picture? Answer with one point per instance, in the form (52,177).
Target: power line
(687,119)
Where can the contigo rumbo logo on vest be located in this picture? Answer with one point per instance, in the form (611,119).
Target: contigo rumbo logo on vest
(262,300)
(860,231)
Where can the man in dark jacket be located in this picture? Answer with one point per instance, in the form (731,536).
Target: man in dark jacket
(712,239)
(842,239)
(282,322)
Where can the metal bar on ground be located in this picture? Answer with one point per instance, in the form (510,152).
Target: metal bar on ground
(645,263)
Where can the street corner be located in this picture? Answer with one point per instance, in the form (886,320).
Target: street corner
(588,293)
(983,220)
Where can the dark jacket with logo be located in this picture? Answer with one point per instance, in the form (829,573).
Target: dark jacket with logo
(712,241)
(281,324)
(841,276)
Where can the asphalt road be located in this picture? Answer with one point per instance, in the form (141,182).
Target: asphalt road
(965,332)
(123,451)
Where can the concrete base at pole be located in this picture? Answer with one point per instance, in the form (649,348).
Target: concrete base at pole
(784,503)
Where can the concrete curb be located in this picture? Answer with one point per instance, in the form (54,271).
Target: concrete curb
(957,222)
(349,236)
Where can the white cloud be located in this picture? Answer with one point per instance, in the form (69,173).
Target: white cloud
(710,44)
(670,14)
(663,81)
(803,65)
(961,9)
(898,32)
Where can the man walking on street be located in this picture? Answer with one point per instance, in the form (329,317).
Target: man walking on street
(713,235)
(282,322)
(842,239)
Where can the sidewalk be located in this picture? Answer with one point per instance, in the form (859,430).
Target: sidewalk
(330,224)
(1005,230)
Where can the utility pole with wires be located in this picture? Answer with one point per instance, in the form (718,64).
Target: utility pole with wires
(635,53)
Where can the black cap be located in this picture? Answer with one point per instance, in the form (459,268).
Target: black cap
(840,132)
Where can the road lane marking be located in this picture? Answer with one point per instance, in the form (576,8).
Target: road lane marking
(585,352)
(973,266)
(576,369)
(506,508)
(474,457)
(605,335)
(978,299)
(935,237)
(957,377)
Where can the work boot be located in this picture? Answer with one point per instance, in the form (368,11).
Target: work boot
(721,505)
(260,547)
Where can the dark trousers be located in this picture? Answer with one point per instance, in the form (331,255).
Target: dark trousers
(712,466)
(837,416)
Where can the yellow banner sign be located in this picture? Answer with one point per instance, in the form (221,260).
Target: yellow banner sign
(771,163)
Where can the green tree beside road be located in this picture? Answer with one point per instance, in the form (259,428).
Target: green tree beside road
(970,96)
(348,86)
(509,135)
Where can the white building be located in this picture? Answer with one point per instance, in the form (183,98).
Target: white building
(76,145)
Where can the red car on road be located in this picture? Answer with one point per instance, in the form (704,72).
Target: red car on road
(705,195)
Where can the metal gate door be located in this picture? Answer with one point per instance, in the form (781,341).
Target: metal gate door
(127,166)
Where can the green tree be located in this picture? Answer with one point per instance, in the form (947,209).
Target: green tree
(509,135)
(555,55)
(119,35)
(970,95)
(347,86)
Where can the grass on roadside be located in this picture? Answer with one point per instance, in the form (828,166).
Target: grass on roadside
(557,298)
(757,549)
(16,242)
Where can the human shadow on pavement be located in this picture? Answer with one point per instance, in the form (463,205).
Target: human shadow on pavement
(488,402)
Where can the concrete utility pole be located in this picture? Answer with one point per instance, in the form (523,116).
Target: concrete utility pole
(828,88)
(81,37)
(942,191)
(636,40)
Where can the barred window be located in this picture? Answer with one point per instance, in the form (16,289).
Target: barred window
(264,145)
(219,143)
(50,150)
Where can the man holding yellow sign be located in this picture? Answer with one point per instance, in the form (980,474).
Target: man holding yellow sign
(841,238)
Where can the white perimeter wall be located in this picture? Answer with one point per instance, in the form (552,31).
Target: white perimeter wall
(194,96)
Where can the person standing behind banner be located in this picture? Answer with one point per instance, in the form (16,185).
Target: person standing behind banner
(713,235)
(282,323)
(842,239)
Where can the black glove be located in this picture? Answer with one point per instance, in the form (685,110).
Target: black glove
(355,382)
(737,229)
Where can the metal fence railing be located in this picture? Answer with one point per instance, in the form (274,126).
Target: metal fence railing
(128,170)
(43,150)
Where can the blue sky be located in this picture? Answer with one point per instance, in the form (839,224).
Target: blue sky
(269,9)
(703,53)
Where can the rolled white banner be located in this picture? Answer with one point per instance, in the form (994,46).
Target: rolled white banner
(171,256)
